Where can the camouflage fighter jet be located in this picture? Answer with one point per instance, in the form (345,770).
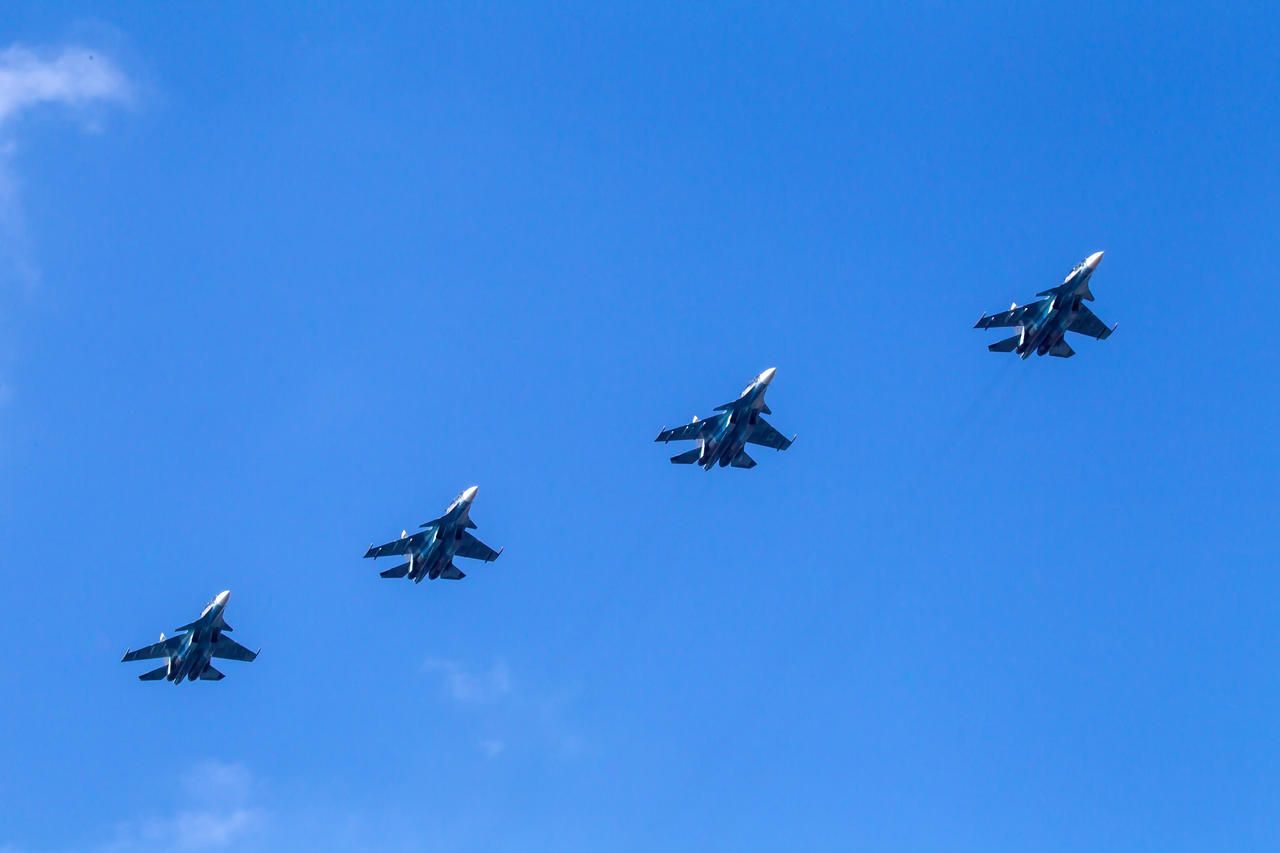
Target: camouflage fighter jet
(431,550)
(723,437)
(187,653)
(1042,325)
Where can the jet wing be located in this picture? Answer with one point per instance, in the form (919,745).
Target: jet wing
(1087,323)
(403,545)
(163,649)
(1019,316)
(225,647)
(764,434)
(686,432)
(472,547)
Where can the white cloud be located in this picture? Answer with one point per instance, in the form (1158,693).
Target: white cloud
(71,76)
(513,712)
(471,687)
(223,816)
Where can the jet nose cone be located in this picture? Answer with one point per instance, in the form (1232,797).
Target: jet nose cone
(470,494)
(767,376)
(223,597)
(1093,260)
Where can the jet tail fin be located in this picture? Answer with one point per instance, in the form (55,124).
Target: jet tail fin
(452,573)
(397,571)
(1007,345)
(688,457)
(155,674)
(211,674)
(742,460)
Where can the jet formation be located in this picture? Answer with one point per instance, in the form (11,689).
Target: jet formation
(1042,325)
(431,550)
(723,437)
(187,654)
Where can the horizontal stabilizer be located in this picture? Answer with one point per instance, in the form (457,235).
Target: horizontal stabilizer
(1062,350)
(155,674)
(452,573)
(396,572)
(211,674)
(688,457)
(742,460)
(1007,345)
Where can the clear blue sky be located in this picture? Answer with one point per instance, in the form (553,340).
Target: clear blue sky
(287,281)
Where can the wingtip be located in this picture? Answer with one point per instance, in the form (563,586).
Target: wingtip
(499,554)
(978,325)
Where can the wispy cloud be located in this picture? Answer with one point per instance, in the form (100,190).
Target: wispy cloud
(70,76)
(467,686)
(223,817)
(74,79)
(518,712)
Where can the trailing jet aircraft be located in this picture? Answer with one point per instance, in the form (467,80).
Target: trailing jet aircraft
(724,436)
(188,652)
(1042,325)
(431,551)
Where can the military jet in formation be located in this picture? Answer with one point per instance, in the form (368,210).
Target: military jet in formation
(1042,325)
(187,654)
(723,437)
(721,440)
(431,550)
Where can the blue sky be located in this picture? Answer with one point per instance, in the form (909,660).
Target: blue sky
(275,284)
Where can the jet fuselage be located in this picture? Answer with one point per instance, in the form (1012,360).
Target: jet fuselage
(193,656)
(442,545)
(729,438)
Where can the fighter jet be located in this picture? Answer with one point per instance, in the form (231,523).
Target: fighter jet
(1042,325)
(187,653)
(431,551)
(724,436)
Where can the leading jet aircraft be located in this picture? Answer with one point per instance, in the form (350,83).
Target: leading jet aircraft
(187,653)
(431,551)
(1042,325)
(723,437)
